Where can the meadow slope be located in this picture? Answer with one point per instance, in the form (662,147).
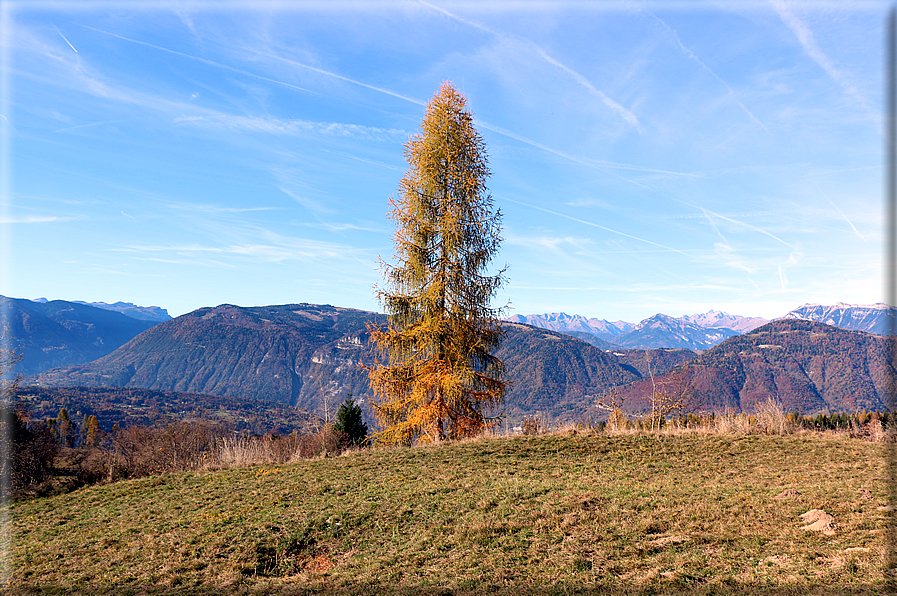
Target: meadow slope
(560,513)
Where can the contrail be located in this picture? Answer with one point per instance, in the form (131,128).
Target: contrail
(741,223)
(63,37)
(204,60)
(808,41)
(694,57)
(628,116)
(594,225)
(604,166)
(337,76)
(850,223)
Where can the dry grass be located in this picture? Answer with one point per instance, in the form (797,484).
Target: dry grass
(566,512)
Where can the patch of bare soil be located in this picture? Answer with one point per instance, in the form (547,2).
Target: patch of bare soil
(787,494)
(818,520)
(668,540)
(777,560)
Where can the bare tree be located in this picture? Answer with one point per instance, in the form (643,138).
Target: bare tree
(674,393)
(611,401)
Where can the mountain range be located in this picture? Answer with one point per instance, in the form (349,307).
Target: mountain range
(806,365)
(694,332)
(144,313)
(874,318)
(703,331)
(312,356)
(308,356)
(56,333)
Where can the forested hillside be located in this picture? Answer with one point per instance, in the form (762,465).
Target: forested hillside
(145,407)
(308,356)
(807,366)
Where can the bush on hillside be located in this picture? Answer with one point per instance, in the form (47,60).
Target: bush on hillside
(31,449)
(349,421)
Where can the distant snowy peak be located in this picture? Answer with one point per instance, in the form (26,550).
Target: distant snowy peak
(659,331)
(716,318)
(564,323)
(664,331)
(871,318)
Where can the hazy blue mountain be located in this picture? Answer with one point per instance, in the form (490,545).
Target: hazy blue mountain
(144,313)
(55,333)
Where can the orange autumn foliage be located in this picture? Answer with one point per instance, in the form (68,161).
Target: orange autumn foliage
(439,379)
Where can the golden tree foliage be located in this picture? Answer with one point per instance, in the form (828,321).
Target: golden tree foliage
(441,378)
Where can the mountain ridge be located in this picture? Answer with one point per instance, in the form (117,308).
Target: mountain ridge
(807,366)
(309,355)
(57,333)
(875,318)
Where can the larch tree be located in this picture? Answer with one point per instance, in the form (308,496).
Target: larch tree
(440,379)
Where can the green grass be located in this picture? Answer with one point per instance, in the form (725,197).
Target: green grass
(560,513)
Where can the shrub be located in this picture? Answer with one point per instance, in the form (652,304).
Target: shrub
(771,419)
(531,426)
(31,450)
(349,422)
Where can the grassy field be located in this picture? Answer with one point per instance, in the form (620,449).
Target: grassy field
(560,513)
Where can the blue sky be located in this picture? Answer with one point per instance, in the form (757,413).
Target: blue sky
(649,157)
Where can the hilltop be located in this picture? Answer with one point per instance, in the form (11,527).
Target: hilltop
(562,513)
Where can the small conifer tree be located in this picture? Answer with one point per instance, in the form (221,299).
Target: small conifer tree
(89,428)
(349,421)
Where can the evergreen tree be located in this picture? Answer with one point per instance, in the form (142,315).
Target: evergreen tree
(441,377)
(349,421)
